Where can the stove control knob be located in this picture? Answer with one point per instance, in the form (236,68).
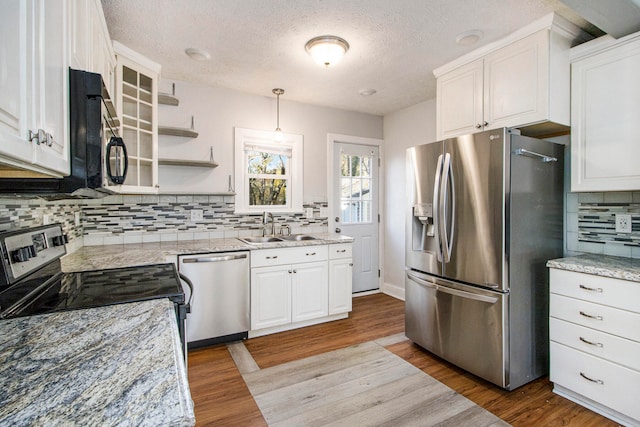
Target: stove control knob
(23,254)
(59,240)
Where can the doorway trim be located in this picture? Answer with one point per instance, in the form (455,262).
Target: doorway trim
(332,139)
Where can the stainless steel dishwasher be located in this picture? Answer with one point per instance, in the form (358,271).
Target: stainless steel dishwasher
(220,303)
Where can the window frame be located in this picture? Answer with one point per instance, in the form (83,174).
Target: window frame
(245,138)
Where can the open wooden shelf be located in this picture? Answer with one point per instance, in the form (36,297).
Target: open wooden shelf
(183,162)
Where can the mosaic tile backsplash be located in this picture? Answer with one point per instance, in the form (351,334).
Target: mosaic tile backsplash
(591,223)
(138,219)
(141,219)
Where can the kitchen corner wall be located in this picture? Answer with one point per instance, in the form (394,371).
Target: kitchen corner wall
(402,129)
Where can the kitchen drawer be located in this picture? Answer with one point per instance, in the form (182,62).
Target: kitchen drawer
(341,250)
(606,346)
(616,386)
(280,256)
(622,323)
(603,290)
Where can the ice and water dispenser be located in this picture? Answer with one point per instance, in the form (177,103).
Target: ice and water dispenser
(422,225)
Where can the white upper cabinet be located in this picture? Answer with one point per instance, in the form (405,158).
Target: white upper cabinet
(90,46)
(605,115)
(136,97)
(520,81)
(34,85)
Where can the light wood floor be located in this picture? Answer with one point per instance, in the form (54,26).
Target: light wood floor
(222,398)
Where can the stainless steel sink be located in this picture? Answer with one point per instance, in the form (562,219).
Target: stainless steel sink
(258,240)
(299,237)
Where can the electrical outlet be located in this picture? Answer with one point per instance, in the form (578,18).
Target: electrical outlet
(309,213)
(46,219)
(324,212)
(76,217)
(196,215)
(623,223)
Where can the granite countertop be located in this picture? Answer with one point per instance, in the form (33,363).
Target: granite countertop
(600,265)
(115,365)
(130,255)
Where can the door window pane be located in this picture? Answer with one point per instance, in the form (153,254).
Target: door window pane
(355,188)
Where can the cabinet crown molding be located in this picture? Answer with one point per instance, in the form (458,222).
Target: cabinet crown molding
(552,22)
(600,44)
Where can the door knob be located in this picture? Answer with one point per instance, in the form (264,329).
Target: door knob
(337,219)
(338,230)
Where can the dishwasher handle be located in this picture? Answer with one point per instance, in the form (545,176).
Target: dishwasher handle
(214,258)
(190,285)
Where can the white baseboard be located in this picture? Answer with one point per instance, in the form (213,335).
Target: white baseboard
(393,290)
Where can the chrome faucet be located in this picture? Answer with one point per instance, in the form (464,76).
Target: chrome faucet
(265,218)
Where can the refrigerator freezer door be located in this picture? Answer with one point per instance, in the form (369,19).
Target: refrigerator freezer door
(477,162)
(462,324)
(423,250)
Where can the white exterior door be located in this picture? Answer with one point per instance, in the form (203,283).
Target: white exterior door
(355,208)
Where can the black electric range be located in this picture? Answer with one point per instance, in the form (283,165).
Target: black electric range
(32,281)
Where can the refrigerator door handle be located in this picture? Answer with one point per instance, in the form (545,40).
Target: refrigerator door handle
(451,291)
(436,202)
(444,195)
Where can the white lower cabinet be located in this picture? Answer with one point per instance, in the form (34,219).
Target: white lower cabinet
(595,343)
(340,278)
(295,287)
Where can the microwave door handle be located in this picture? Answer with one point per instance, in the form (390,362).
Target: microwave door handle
(436,199)
(114,143)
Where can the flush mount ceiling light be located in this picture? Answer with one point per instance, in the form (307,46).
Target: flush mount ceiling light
(197,54)
(278,136)
(469,37)
(327,50)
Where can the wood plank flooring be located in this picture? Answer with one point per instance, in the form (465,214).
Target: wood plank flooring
(222,398)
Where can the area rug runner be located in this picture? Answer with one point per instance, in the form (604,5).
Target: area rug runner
(362,385)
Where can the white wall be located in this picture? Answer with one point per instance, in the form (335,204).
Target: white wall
(402,129)
(217,111)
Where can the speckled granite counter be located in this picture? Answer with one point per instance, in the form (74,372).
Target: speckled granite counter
(600,265)
(115,365)
(130,255)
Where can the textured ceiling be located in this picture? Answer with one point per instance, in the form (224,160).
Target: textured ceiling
(257,45)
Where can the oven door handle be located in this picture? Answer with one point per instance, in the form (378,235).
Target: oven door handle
(190,285)
(451,291)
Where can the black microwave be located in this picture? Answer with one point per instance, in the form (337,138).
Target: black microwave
(98,155)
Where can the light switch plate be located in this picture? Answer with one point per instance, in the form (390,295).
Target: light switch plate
(197,215)
(46,219)
(324,212)
(623,223)
(76,216)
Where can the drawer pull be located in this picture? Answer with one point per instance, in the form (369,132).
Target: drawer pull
(592,380)
(596,344)
(582,313)
(341,251)
(311,254)
(272,257)
(586,288)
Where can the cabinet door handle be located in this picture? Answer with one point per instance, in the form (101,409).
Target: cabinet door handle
(350,264)
(290,271)
(294,271)
(272,257)
(582,313)
(311,254)
(341,251)
(586,288)
(485,124)
(478,125)
(595,344)
(592,380)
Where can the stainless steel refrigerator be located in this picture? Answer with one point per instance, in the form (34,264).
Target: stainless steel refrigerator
(484,216)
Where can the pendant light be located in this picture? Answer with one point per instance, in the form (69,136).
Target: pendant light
(278,136)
